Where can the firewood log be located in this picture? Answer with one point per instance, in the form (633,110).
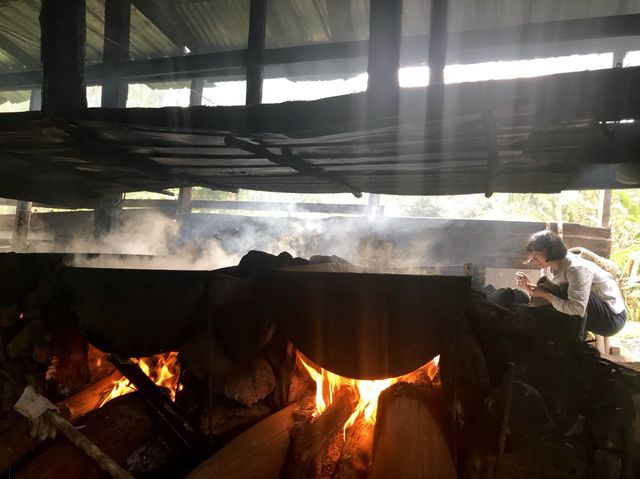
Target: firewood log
(356,453)
(257,453)
(22,344)
(310,442)
(118,428)
(89,398)
(15,442)
(408,442)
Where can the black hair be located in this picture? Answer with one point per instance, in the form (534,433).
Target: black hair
(549,243)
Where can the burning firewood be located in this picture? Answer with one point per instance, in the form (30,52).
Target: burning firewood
(126,418)
(311,440)
(356,453)
(408,442)
(15,443)
(257,453)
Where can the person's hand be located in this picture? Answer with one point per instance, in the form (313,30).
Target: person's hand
(523,280)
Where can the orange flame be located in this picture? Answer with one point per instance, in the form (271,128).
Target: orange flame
(162,369)
(328,383)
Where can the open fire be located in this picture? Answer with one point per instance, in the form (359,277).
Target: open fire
(367,392)
(162,369)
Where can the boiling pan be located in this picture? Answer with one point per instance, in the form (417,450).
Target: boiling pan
(363,325)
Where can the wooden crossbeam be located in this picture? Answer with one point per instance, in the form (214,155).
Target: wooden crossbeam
(535,40)
(288,160)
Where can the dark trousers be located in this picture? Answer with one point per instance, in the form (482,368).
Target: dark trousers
(600,319)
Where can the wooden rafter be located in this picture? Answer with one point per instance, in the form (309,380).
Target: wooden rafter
(288,160)
(16,52)
(164,15)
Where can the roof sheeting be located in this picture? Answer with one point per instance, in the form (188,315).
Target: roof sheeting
(547,134)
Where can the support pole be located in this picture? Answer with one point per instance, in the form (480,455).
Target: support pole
(385,34)
(117,27)
(63,38)
(23,208)
(185,195)
(22,223)
(438,41)
(256,43)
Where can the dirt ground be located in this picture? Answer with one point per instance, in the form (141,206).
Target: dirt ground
(629,341)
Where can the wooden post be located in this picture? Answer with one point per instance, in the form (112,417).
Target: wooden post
(437,57)
(184,201)
(22,223)
(106,214)
(257,33)
(438,41)
(117,14)
(185,195)
(23,208)
(63,37)
(385,34)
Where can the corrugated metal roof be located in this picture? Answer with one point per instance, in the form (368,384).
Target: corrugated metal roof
(549,134)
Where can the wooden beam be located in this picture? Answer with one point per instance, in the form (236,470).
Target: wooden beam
(471,46)
(63,41)
(286,159)
(18,53)
(117,26)
(165,16)
(340,21)
(257,35)
(385,34)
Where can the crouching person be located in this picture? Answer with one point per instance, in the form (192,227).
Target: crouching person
(578,287)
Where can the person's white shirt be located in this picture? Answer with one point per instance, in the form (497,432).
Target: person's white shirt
(584,277)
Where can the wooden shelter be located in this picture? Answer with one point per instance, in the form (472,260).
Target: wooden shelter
(543,134)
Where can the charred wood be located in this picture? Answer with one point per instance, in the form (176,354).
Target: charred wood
(21,346)
(408,441)
(160,403)
(464,375)
(242,324)
(246,383)
(311,440)
(356,453)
